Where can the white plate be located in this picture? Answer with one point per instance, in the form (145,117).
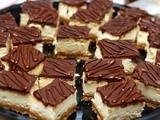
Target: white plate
(6,3)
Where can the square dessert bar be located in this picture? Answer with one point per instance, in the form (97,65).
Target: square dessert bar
(118,101)
(26,35)
(16,89)
(119,28)
(147,77)
(55,101)
(25,58)
(53,68)
(119,49)
(99,72)
(40,14)
(73,42)
(68,7)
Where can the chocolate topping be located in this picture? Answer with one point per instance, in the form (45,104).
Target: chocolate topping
(59,68)
(148,74)
(118,26)
(120,93)
(45,17)
(34,6)
(158,58)
(77,3)
(54,93)
(2,67)
(25,35)
(7,21)
(154,39)
(21,82)
(104,70)
(118,49)
(24,57)
(134,13)
(3,38)
(76,32)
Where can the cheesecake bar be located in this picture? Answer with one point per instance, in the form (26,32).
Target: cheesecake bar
(73,42)
(147,78)
(25,58)
(55,101)
(68,7)
(119,28)
(45,18)
(99,72)
(58,68)
(16,89)
(119,49)
(26,35)
(118,101)
(2,67)
(98,13)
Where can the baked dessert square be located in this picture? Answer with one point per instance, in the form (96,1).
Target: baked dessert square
(51,99)
(119,28)
(68,7)
(118,101)
(25,58)
(119,49)
(41,14)
(98,13)
(73,42)
(99,72)
(16,89)
(53,68)
(147,76)
(26,35)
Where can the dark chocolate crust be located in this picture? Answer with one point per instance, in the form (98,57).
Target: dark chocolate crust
(118,49)
(76,3)
(104,70)
(58,68)
(25,35)
(120,93)
(24,57)
(54,93)
(16,81)
(76,32)
(118,26)
(148,74)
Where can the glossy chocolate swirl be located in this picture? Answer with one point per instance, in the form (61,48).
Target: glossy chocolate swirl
(34,6)
(3,38)
(132,12)
(25,35)
(148,74)
(154,39)
(158,58)
(77,3)
(16,81)
(54,93)
(76,32)
(45,17)
(120,93)
(118,49)
(118,26)
(7,21)
(58,68)
(104,70)
(24,57)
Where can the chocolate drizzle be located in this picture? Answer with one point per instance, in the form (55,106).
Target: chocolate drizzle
(54,93)
(76,32)
(120,93)
(154,39)
(25,35)
(24,57)
(77,3)
(3,38)
(118,26)
(59,68)
(118,49)
(21,82)
(148,74)
(7,21)
(104,70)
(158,58)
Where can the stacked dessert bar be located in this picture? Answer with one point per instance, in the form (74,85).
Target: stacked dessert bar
(115,78)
